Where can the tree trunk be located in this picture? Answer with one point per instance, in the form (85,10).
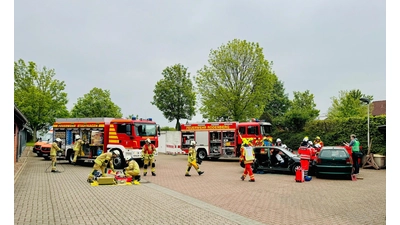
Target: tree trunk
(34,135)
(178,125)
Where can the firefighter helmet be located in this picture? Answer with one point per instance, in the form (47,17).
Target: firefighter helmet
(116,152)
(148,140)
(317,138)
(58,139)
(77,137)
(192,143)
(278,140)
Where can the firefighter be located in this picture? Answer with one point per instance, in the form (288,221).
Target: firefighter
(318,143)
(267,140)
(77,148)
(192,160)
(304,143)
(101,162)
(53,155)
(247,157)
(132,170)
(148,152)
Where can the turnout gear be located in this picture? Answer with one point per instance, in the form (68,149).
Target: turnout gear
(192,162)
(77,148)
(247,156)
(100,164)
(148,152)
(53,155)
(133,170)
(318,143)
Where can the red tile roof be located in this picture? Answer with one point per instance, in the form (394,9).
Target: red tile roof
(379,108)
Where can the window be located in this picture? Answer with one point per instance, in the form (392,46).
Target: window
(252,130)
(124,128)
(242,130)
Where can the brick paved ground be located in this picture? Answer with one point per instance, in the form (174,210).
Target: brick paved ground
(216,197)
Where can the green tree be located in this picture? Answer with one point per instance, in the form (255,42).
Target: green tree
(39,96)
(174,94)
(96,103)
(278,104)
(348,104)
(302,109)
(237,83)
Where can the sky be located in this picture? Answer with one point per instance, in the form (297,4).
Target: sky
(316,45)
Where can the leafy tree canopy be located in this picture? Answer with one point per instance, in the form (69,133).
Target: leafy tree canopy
(302,109)
(96,103)
(348,104)
(237,83)
(38,95)
(278,104)
(174,94)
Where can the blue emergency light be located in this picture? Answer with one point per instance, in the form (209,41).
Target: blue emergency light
(149,119)
(133,117)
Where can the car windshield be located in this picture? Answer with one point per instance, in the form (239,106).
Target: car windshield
(333,153)
(142,129)
(48,137)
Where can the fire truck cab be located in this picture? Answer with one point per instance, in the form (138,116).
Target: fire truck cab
(104,134)
(216,140)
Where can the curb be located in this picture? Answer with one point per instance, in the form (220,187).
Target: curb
(24,159)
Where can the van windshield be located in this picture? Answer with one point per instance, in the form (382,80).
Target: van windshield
(142,129)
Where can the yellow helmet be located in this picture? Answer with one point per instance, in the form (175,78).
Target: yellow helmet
(317,138)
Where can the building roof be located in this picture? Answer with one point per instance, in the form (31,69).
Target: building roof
(379,108)
(18,114)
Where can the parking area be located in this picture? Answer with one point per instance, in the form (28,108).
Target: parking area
(218,196)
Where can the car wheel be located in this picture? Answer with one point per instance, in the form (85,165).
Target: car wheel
(202,154)
(140,162)
(295,167)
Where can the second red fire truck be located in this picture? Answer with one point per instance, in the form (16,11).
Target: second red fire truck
(221,139)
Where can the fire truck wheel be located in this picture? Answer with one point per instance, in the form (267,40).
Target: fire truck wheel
(140,162)
(202,154)
(70,156)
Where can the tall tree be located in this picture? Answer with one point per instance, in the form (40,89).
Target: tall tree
(96,103)
(347,104)
(302,109)
(174,95)
(237,83)
(278,104)
(39,96)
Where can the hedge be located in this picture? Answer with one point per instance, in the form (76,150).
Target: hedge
(334,131)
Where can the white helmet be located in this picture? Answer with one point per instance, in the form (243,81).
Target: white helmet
(192,143)
(58,139)
(278,140)
(148,140)
(115,152)
(77,136)
(310,143)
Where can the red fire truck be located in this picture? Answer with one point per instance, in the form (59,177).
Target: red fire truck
(221,139)
(104,134)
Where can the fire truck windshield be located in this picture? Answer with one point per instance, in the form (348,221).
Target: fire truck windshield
(266,130)
(143,129)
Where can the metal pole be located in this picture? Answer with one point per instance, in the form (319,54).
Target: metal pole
(368,126)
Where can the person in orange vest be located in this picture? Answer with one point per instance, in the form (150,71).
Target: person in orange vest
(318,143)
(148,152)
(247,157)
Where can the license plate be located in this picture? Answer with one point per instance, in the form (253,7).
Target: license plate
(45,154)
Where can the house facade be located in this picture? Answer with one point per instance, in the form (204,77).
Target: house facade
(20,133)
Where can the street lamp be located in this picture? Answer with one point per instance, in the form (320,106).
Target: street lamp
(366,100)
